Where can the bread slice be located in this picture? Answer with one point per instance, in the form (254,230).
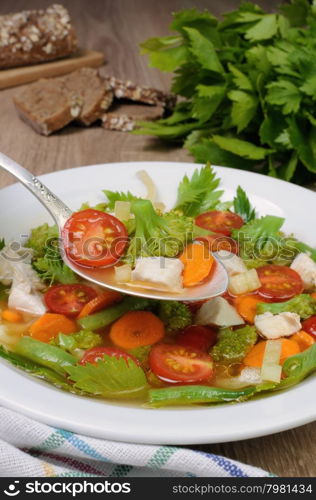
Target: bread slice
(129,90)
(92,91)
(46,107)
(50,104)
(124,115)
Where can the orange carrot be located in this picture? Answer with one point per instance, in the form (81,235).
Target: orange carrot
(198,262)
(12,316)
(255,355)
(313,295)
(137,328)
(50,325)
(102,301)
(303,339)
(246,306)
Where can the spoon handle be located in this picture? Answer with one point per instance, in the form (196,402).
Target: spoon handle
(54,205)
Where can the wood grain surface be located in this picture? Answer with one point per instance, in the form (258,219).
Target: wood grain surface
(117,27)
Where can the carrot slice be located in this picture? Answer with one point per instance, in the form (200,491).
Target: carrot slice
(255,355)
(303,339)
(12,316)
(102,301)
(198,262)
(313,295)
(50,325)
(137,328)
(246,306)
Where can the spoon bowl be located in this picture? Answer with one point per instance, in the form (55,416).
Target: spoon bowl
(105,277)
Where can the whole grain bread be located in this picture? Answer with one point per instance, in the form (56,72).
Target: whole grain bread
(34,36)
(92,91)
(50,104)
(129,90)
(123,115)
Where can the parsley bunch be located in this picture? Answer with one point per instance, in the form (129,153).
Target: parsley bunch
(248,88)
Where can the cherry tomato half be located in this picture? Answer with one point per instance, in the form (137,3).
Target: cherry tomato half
(219,222)
(94,239)
(197,337)
(217,242)
(95,354)
(309,326)
(279,282)
(68,299)
(176,363)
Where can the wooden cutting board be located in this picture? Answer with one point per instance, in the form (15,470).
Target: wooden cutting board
(25,74)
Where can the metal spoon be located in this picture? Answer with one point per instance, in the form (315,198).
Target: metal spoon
(105,277)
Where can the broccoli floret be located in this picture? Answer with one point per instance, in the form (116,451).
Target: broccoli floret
(175,315)
(233,345)
(85,339)
(157,235)
(304,305)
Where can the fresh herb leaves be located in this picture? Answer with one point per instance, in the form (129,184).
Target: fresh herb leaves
(114,196)
(248,85)
(109,377)
(242,205)
(198,193)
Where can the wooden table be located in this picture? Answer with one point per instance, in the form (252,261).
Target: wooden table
(117,27)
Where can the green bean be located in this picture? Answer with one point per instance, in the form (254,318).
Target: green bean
(194,394)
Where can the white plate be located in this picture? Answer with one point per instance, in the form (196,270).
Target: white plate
(280,411)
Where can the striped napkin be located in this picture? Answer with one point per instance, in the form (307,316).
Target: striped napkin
(31,449)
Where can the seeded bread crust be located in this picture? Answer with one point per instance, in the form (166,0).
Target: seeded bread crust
(50,104)
(129,90)
(35,36)
(124,116)
(89,88)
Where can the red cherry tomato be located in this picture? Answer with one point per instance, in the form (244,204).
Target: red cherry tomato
(197,337)
(217,242)
(97,353)
(309,326)
(175,363)
(94,239)
(68,299)
(279,282)
(219,222)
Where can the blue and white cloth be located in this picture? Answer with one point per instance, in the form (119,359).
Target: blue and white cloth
(31,449)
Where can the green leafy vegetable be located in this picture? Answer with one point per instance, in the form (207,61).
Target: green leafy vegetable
(261,242)
(2,243)
(199,193)
(242,206)
(233,345)
(85,339)
(157,235)
(44,354)
(44,241)
(114,196)
(175,315)
(37,370)
(248,86)
(110,377)
(304,305)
